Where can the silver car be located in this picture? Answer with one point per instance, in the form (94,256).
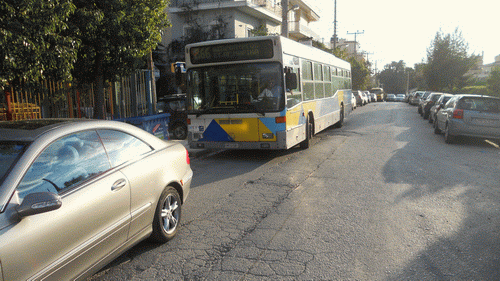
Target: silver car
(75,194)
(469,115)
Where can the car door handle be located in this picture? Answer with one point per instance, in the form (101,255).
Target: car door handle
(119,184)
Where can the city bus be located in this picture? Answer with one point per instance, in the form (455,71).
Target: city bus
(265,92)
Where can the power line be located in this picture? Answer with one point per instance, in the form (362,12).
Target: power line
(355,42)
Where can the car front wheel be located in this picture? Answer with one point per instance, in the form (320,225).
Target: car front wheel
(167,216)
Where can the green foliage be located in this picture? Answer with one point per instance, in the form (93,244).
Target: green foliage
(34,41)
(447,62)
(360,74)
(115,36)
(476,90)
(260,31)
(340,53)
(396,76)
(321,46)
(494,82)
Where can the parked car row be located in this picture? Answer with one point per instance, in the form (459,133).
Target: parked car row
(461,115)
(360,98)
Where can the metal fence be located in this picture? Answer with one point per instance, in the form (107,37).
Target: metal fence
(131,96)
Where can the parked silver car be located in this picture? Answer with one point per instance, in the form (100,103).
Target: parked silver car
(414,98)
(443,99)
(469,115)
(75,194)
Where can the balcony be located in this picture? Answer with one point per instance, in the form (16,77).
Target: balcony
(261,8)
(299,31)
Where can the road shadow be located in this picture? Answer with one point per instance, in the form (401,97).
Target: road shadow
(457,184)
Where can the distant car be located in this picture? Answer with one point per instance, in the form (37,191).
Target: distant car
(359,98)
(176,106)
(75,194)
(469,115)
(414,99)
(399,98)
(391,97)
(422,98)
(365,98)
(370,96)
(353,101)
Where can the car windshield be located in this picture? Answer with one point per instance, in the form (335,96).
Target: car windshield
(255,87)
(9,153)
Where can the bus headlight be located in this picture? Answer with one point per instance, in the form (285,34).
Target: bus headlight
(268,136)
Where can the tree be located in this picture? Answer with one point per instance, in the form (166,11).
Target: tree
(360,73)
(447,62)
(260,31)
(395,77)
(115,37)
(34,41)
(494,82)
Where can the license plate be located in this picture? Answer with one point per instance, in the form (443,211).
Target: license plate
(486,122)
(231,145)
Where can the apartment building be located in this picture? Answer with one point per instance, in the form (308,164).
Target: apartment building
(234,19)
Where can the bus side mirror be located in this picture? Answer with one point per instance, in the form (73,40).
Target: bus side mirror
(291,80)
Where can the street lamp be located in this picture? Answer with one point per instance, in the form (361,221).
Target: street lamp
(284,14)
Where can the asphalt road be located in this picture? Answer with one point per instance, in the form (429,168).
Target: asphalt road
(382,198)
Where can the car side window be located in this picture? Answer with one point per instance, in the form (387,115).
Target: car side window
(65,163)
(122,147)
(450,103)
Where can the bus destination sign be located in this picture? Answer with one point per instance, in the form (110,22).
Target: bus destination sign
(239,51)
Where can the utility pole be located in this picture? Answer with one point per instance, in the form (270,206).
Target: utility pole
(335,25)
(284,18)
(355,42)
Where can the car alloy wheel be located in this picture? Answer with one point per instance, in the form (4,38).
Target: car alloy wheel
(167,216)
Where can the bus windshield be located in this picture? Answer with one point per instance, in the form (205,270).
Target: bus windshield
(252,87)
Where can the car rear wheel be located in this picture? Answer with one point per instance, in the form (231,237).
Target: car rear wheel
(436,128)
(447,137)
(167,216)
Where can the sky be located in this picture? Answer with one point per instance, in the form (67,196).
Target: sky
(395,30)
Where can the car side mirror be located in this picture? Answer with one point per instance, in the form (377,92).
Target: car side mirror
(37,203)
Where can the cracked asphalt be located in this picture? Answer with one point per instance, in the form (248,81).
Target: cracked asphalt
(362,203)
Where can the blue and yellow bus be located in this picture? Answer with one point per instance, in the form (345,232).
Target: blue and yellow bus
(263,93)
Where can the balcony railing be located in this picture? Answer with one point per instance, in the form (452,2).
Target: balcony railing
(305,31)
(266,4)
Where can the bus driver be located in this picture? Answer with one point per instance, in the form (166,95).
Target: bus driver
(272,90)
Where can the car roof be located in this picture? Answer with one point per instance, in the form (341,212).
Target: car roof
(476,96)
